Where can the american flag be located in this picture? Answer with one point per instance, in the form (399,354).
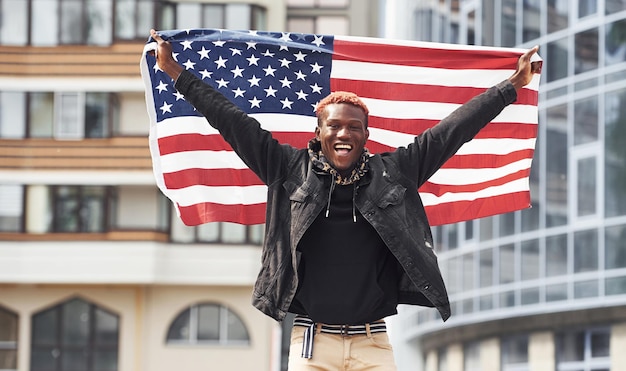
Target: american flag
(278,78)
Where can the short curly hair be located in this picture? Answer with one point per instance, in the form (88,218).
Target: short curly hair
(340,97)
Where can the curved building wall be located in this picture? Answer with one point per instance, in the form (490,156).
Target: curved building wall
(542,288)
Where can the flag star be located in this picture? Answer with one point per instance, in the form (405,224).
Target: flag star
(254,102)
(285,83)
(300,56)
(186,44)
(269,70)
(189,64)
(285,37)
(221,83)
(156,67)
(162,87)
(221,62)
(238,92)
(253,60)
(314,107)
(166,108)
(301,94)
(300,36)
(219,43)
(235,51)
(251,45)
(175,56)
(270,91)
(316,68)
(283,47)
(267,53)
(286,103)
(318,40)
(206,74)
(284,62)
(178,95)
(254,81)
(300,76)
(253,32)
(237,72)
(204,53)
(316,88)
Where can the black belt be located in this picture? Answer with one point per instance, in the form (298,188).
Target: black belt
(343,330)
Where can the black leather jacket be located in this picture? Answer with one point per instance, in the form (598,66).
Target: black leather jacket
(387,197)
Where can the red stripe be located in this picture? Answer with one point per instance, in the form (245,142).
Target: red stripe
(492,130)
(424,56)
(441,189)
(454,212)
(209,212)
(419,93)
(211,177)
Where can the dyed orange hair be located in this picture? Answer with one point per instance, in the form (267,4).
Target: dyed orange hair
(340,97)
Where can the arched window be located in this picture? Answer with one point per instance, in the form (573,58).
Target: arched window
(8,340)
(208,323)
(74,335)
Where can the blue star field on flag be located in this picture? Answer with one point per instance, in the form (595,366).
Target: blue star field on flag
(261,72)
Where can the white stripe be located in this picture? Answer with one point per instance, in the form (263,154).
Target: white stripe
(367,71)
(227,195)
(473,176)
(519,185)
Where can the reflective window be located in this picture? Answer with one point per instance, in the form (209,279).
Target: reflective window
(11,208)
(197,15)
(508,25)
(586,251)
(556,255)
(8,340)
(224,232)
(587,7)
(507,263)
(12,115)
(615,286)
(208,323)
(615,153)
(583,350)
(531,20)
(615,248)
(556,292)
(507,224)
(468,271)
(471,356)
(75,335)
(615,42)
(486,268)
(514,353)
(318,3)
(133,18)
(556,168)
(557,61)
(614,6)
(586,51)
(586,120)
(13,22)
(558,12)
(79,208)
(586,186)
(530,260)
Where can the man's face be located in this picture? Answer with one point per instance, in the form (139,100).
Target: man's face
(342,135)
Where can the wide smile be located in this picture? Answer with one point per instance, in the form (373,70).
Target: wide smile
(343,148)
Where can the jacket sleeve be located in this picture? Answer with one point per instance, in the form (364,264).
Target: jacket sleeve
(256,147)
(432,148)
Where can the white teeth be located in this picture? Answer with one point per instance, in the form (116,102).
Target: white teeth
(343,146)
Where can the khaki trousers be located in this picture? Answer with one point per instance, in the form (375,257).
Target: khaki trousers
(335,352)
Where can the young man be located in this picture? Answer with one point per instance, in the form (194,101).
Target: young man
(347,238)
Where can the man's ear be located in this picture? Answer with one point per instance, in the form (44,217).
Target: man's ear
(317,132)
(367,134)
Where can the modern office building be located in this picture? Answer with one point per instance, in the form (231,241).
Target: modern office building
(543,289)
(96,271)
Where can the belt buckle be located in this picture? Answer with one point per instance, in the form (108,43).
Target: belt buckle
(345,330)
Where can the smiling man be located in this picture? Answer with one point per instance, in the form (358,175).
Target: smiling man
(347,238)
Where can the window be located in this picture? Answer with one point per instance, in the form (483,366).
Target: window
(318,3)
(208,323)
(615,254)
(586,51)
(75,335)
(133,19)
(223,232)
(514,353)
(557,167)
(182,15)
(11,208)
(586,186)
(584,350)
(471,357)
(62,115)
(79,208)
(615,153)
(8,340)
(557,59)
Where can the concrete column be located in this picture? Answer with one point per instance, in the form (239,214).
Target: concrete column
(38,213)
(541,355)
(432,361)
(618,344)
(455,357)
(490,354)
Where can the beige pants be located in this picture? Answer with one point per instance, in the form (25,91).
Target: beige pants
(333,352)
